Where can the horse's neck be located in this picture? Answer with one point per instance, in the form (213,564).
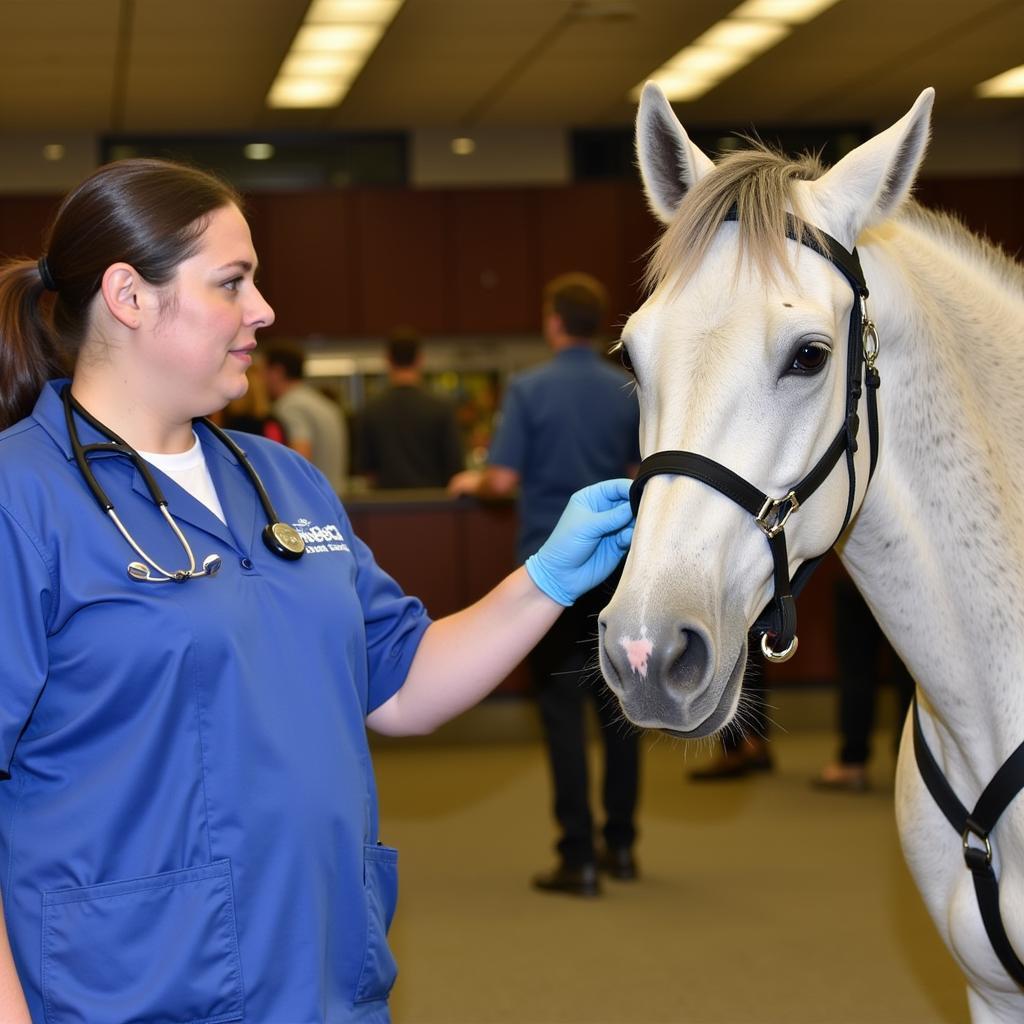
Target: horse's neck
(938,547)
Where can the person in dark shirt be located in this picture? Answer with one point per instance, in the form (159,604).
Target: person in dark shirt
(408,437)
(564,424)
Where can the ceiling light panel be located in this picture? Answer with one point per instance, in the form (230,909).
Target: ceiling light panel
(1009,83)
(330,49)
(742,36)
(752,28)
(790,12)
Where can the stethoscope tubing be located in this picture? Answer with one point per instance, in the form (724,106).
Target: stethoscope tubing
(282,539)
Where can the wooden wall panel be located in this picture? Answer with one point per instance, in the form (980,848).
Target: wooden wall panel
(580,229)
(419,545)
(23,222)
(306,246)
(493,252)
(402,272)
(993,207)
(640,230)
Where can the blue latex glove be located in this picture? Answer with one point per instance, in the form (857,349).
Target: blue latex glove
(587,543)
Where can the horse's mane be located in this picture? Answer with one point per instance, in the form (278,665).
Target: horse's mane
(948,228)
(759,183)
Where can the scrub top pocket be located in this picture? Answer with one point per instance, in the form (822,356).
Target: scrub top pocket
(156,950)
(380,886)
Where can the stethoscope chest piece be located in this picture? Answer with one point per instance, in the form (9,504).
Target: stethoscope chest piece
(283,540)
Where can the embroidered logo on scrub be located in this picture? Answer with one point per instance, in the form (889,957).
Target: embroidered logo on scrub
(320,539)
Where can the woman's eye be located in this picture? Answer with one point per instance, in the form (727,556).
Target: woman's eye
(810,358)
(233,284)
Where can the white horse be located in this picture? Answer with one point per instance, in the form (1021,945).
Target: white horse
(740,356)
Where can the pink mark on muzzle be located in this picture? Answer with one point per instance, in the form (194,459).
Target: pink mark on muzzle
(638,651)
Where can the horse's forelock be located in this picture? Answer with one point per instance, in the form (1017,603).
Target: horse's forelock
(760,184)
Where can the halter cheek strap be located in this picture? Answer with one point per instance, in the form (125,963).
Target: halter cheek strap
(777,623)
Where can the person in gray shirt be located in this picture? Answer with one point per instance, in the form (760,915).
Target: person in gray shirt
(314,425)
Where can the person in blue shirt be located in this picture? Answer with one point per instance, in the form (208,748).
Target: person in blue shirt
(563,425)
(194,641)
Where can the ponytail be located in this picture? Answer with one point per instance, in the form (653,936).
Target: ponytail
(28,355)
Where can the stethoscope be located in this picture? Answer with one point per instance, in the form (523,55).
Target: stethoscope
(283,540)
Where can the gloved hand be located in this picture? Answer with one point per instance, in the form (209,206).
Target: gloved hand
(587,543)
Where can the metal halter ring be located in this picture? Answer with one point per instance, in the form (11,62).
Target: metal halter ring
(778,656)
(968,832)
(774,526)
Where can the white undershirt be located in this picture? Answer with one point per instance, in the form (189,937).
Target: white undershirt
(189,471)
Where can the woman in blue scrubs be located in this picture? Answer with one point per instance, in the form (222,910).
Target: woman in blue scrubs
(188,815)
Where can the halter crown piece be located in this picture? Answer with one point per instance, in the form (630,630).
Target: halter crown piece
(46,275)
(777,622)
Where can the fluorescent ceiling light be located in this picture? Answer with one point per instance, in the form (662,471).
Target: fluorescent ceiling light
(335,38)
(329,51)
(683,87)
(334,12)
(305,92)
(320,65)
(752,28)
(705,61)
(749,37)
(1009,83)
(792,12)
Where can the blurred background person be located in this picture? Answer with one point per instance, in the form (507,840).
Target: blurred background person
(406,436)
(251,412)
(862,655)
(314,425)
(564,424)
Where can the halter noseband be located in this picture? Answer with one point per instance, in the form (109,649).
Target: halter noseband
(777,623)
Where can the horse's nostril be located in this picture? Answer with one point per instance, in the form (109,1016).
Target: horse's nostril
(686,660)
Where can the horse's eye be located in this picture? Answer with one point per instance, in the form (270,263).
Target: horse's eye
(810,358)
(624,356)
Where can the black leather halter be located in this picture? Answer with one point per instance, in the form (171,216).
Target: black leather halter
(976,825)
(777,623)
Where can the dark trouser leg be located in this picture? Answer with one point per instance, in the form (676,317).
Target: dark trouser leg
(557,663)
(857,645)
(621,768)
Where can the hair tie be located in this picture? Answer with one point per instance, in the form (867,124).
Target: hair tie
(46,275)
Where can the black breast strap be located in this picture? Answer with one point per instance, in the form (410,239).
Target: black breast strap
(777,622)
(997,796)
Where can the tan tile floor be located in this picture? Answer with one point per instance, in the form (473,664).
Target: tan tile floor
(762,901)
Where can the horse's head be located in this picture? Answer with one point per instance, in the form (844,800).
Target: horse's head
(739,356)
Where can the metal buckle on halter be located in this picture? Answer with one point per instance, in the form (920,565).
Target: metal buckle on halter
(869,336)
(773,518)
(972,854)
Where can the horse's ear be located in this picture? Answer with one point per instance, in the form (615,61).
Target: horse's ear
(870,183)
(670,164)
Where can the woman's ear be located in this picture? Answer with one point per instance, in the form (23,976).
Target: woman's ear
(120,288)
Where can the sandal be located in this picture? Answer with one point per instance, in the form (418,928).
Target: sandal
(844,778)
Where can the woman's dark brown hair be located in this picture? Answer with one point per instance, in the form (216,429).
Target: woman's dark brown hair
(147,213)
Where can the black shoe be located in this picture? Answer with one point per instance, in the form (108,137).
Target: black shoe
(619,863)
(574,879)
(734,764)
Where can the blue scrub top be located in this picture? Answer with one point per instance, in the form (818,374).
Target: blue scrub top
(571,422)
(188,814)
